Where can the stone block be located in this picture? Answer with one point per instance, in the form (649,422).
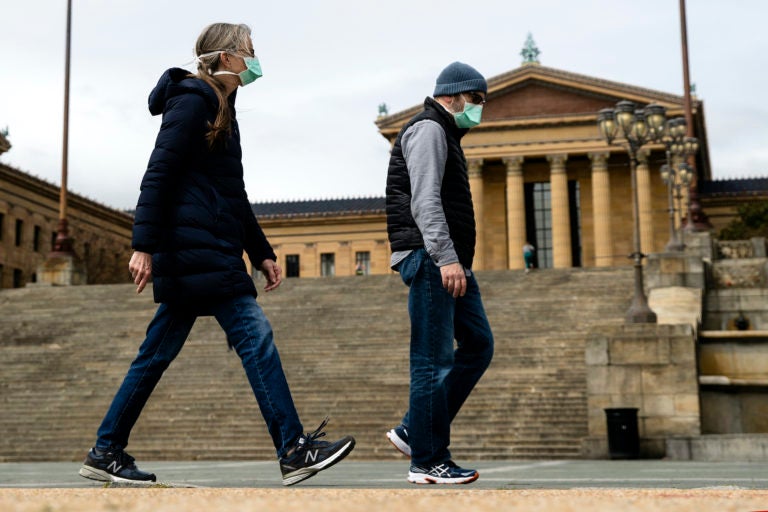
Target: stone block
(716,359)
(670,264)
(669,426)
(658,405)
(595,448)
(670,379)
(682,350)
(624,380)
(638,351)
(750,360)
(678,448)
(754,413)
(597,380)
(758,246)
(596,351)
(653,447)
(687,404)
(739,273)
(720,413)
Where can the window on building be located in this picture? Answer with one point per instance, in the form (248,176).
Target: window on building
(2,225)
(1,276)
(574,201)
(328,264)
(362,263)
(19,229)
(542,213)
(18,281)
(36,239)
(53,240)
(292,265)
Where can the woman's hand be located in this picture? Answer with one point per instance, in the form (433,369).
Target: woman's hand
(272,272)
(140,267)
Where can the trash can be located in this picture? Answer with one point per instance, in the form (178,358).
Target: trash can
(623,438)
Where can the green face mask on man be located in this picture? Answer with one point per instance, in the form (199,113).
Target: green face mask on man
(470,116)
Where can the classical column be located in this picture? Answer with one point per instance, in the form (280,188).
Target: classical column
(645,205)
(561,224)
(475,171)
(601,209)
(515,212)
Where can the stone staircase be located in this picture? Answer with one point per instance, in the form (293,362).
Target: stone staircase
(344,347)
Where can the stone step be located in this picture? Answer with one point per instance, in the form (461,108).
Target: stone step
(344,345)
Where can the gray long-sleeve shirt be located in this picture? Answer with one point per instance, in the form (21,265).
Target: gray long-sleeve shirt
(425,150)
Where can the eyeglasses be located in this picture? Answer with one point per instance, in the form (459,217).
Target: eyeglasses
(475,98)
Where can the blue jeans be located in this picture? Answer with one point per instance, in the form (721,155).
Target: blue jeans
(441,377)
(248,333)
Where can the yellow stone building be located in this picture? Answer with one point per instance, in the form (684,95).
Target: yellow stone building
(29,214)
(539,171)
(325,238)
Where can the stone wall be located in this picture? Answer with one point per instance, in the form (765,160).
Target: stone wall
(648,366)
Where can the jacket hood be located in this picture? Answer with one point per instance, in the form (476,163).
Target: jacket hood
(176,81)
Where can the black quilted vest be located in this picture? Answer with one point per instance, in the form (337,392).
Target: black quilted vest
(455,194)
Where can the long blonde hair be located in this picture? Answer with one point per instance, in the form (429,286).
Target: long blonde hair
(216,38)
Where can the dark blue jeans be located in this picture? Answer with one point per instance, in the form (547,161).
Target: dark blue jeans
(441,377)
(248,333)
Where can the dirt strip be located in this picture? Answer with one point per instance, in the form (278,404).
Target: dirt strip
(460,499)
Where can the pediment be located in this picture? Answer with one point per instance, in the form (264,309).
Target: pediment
(537,91)
(535,97)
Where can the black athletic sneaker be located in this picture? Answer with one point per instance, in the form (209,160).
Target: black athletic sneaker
(113,466)
(445,473)
(309,456)
(398,436)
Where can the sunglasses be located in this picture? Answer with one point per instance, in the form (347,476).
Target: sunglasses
(475,98)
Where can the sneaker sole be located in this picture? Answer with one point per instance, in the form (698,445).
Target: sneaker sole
(302,474)
(398,443)
(99,475)
(421,478)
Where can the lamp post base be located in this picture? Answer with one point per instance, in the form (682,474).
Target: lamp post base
(639,312)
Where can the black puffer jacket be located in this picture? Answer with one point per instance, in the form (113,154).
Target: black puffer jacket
(193,214)
(455,193)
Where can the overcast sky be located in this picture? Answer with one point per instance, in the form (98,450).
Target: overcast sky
(308,124)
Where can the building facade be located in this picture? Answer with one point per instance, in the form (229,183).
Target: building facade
(540,172)
(326,238)
(29,214)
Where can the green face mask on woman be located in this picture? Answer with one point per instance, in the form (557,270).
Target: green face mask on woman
(470,116)
(251,73)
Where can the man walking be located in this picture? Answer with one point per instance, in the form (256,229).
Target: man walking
(431,227)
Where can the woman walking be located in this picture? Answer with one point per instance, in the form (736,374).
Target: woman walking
(193,222)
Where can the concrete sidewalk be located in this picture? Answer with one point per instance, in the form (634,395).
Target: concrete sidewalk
(503,475)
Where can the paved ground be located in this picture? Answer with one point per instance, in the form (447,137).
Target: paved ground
(391,475)
(373,486)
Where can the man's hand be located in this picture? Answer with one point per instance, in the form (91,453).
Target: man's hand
(454,279)
(140,268)
(272,272)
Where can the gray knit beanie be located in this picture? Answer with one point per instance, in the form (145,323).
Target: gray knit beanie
(457,78)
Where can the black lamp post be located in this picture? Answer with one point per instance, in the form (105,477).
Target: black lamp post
(690,147)
(685,173)
(637,127)
(673,142)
